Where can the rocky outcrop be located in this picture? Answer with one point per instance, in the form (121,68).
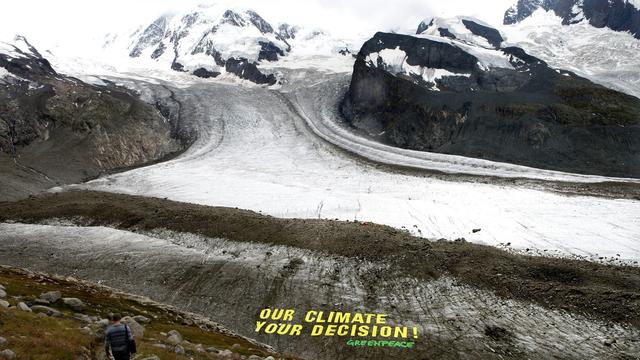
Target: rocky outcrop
(248,71)
(62,130)
(502,105)
(618,15)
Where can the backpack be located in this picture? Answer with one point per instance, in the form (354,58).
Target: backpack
(131,344)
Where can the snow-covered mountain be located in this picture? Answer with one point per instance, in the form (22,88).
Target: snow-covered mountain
(618,15)
(455,89)
(602,55)
(212,40)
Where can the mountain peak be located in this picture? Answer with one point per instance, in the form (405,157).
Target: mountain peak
(618,15)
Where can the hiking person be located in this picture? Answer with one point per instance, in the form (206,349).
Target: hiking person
(119,339)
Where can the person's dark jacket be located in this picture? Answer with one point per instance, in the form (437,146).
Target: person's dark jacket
(116,338)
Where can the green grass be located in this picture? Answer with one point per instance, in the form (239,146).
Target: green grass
(35,337)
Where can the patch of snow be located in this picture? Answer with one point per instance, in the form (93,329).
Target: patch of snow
(395,62)
(635,3)
(458,29)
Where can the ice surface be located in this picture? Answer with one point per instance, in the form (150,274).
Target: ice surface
(256,152)
(231,277)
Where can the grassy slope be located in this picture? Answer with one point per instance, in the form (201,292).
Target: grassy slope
(32,336)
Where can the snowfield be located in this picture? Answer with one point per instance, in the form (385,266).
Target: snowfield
(602,55)
(256,151)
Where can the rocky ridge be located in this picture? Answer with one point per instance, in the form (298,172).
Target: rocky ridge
(452,89)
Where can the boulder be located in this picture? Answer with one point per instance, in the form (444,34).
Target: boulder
(225,353)
(46,310)
(136,329)
(102,323)
(174,337)
(3,294)
(4,304)
(51,296)
(7,354)
(179,350)
(74,303)
(22,306)
(142,319)
(82,317)
(213,350)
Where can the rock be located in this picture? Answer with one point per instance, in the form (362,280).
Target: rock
(142,319)
(174,337)
(22,306)
(152,357)
(51,296)
(254,357)
(41,301)
(46,310)
(269,358)
(3,341)
(161,346)
(86,330)
(236,347)
(199,348)
(4,304)
(136,328)
(609,342)
(74,303)
(225,353)
(82,317)
(205,74)
(179,350)
(7,354)
(3,294)
(213,350)
(2,287)
(102,323)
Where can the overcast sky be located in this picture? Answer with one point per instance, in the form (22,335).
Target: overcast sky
(66,20)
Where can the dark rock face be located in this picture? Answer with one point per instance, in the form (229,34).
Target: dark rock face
(177,66)
(286,31)
(248,71)
(492,35)
(158,51)
(530,115)
(259,22)
(444,32)
(423,26)
(204,73)
(618,15)
(269,51)
(151,36)
(56,130)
